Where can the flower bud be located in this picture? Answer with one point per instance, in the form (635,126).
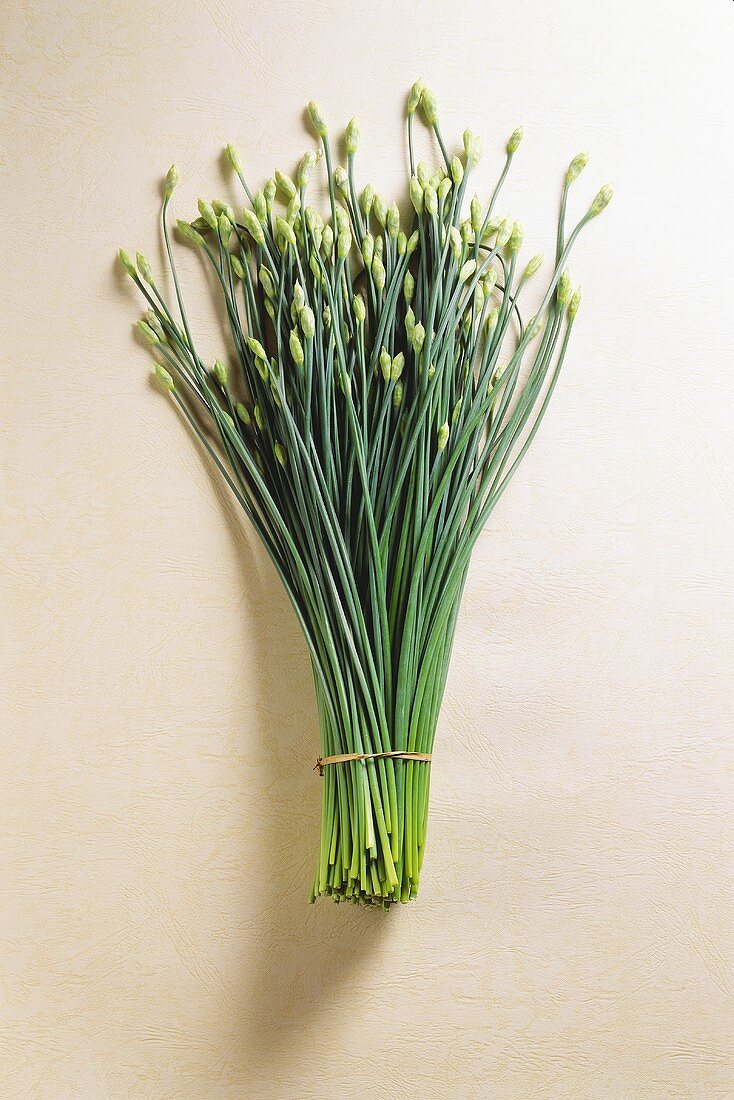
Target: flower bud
(430,106)
(207,212)
(491,322)
(266,281)
(378,273)
(259,418)
(430,201)
(327,242)
(603,198)
(457,170)
(423,173)
(188,232)
(412,243)
(286,231)
(285,184)
(393,220)
(308,322)
(397,395)
(243,413)
(472,148)
(344,243)
(253,227)
(317,119)
(269,191)
(341,180)
(504,233)
(379,209)
(148,334)
(516,238)
(563,293)
(466,231)
(256,348)
(576,167)
(163,376)
(280,454)
(573,306)
(444,187)
(418,337)
(172,178)
(385,363)
(514,142)
(224,227)
(367,200)
(128,262)
(368,249)
(455,242)
(414,97)
(408,286)
(488,282)
(359,309)
(475,209)
(396,369)
(234,159)
(351,136)
(533,266)
(296,347)
(416,195)
(478,297)
(467,270)
(443,436)
(305,168)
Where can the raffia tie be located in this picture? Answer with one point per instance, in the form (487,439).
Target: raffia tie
(395,754)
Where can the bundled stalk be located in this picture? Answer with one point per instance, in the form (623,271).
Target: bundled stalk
(381,392)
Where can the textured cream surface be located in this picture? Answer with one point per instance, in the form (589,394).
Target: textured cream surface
(158,812)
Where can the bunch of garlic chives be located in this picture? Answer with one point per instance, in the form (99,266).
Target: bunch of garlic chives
(368,429)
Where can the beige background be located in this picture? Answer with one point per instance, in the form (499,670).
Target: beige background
(158,812)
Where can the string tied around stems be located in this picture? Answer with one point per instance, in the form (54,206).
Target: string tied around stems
(399,754)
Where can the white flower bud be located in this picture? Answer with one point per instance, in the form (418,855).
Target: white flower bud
(317,119)
(533,266)
(296,347)
(455,242)
(385,363)
(576,167)
(467,270)
(341,179)
(430,106)
(308,322)
(351,137)
(393,220)
(475,209)
(396,369)
(305,168)
(172,178)
(344,243)
(515,139)
(368,249)
(188,232)
(443,188)
(253,227)
(379,209)
(234,159)
(359,309)
(563,292)
(418,338)
(457,170)
(285,184)
(367,200)
(603,198)
(416,195)
(128,262)
(378,273)
(573,306)
(430,201)
(423,173)
(412,243)
(415,97)
(443,436)
(163,376)
(408,286)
